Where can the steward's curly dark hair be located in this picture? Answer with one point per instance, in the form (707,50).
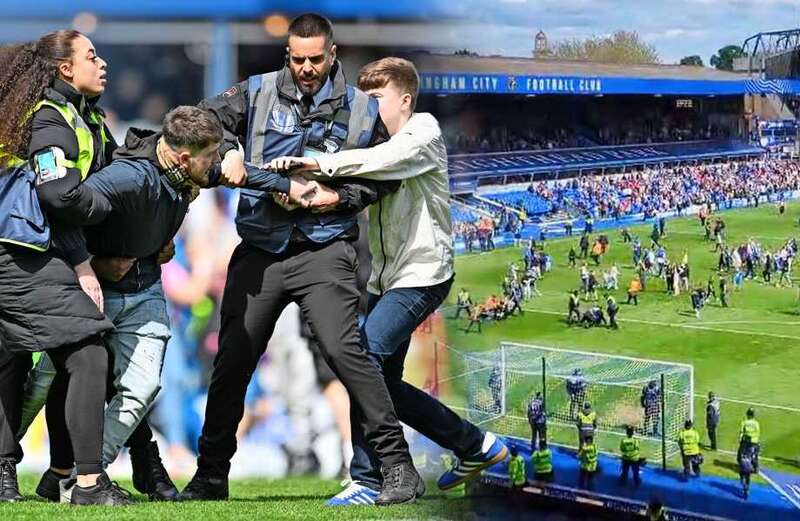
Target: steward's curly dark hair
(26,70)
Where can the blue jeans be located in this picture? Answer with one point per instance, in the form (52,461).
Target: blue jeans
(176,389)
(137,345)
(386,335)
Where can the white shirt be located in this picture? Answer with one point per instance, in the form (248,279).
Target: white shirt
(410,230)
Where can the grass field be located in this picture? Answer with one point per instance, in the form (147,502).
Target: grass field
(257,499)
(749,353)
(746,353)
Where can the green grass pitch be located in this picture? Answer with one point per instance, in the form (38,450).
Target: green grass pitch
(285,499)
(749,352)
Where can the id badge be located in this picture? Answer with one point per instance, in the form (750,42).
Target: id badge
(45,164)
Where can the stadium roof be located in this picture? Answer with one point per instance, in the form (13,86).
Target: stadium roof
(529,66)
(454,74)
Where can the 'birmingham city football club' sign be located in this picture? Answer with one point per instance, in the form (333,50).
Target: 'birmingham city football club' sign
(471,83)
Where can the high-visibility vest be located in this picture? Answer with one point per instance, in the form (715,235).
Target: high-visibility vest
(589,457)
(586,421)
(750,427)
(689,440)
(83,134)
(516,470)
(629,447)
(28,227)
(542,461)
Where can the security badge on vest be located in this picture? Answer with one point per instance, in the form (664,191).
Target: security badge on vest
(321,136)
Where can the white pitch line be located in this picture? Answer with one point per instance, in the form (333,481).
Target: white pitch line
(683,325)
(779,489)
(757,322)
(734,453)
(755,404)
(701,234)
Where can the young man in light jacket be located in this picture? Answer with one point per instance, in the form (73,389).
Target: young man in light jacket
(412,268)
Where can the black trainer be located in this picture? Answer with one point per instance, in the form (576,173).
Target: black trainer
(104,492)
(9,487)
(401,484)
(48,486)
(205,488)
(149,475)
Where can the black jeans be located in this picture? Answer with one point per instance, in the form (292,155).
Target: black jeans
(14,368)
(321,279)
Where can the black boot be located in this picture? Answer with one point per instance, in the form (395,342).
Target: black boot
(401,484)
(104,492)
(9,488)
(205,488)
(48,486)
(149,475)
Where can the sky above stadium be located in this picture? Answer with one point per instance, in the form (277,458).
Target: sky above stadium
(676,28)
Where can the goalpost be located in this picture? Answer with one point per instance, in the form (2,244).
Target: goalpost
(500,384)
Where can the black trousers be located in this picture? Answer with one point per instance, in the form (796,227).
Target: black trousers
(14,368)
(77,395)
(475,321)
(586,479)
(61,453)
(712,435)
(321,279)
(612,321)
(538,434)
(691,465)
(634,466)
(462,307)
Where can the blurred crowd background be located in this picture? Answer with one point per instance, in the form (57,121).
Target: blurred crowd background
(297,413)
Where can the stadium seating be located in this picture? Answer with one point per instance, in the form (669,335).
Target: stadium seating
(534,204)
(462,214)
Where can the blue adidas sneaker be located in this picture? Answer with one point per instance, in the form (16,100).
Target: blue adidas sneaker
(354,495)
(492,451)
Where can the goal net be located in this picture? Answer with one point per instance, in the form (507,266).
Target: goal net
(498,386)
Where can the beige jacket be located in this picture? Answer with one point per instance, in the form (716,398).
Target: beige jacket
(409,231)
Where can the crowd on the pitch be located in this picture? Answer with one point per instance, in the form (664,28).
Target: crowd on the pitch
(519,285)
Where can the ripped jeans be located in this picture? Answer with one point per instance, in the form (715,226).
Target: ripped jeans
(137,346)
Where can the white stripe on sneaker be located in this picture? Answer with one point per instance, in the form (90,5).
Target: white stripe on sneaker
(488,441)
